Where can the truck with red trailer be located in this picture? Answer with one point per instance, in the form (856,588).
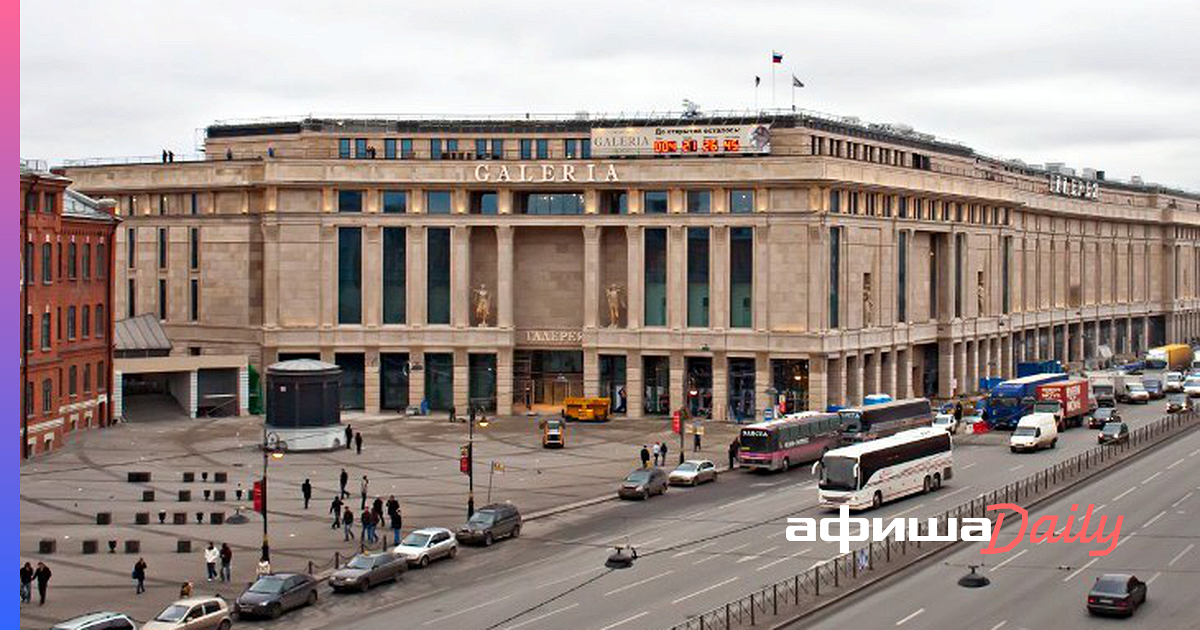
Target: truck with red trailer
(1070,401)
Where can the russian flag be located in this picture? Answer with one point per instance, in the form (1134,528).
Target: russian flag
(776,57)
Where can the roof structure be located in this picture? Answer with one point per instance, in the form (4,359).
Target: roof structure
(140,334)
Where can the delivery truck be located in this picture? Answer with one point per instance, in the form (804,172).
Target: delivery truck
(1070,401)
(1009,401)
(1177,357)
(1108,388)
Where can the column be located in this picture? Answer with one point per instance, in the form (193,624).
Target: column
(416,378)
(945,386)
(887,374)
(870,366)
(818,382)
(854,379)
(634,388)
(270,232)
(677,375)
(504,285)
(591,281)
(719,278)
(372,276)
(676,278)
(504,381)
(462,375)
(591,372)
(762,382)
(634,292)
(329,288)
(371,382)
(1006,356)
(836,381)
(971,368)
(415,289)
(904,388)
(720,387)
(460,266)
(762,274)
(984,353)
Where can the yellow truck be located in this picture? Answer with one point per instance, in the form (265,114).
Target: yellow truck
(554,433)
(586,409)
(1175,357)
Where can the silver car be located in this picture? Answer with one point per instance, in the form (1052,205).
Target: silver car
(366,570)
(426,545)
(693,473)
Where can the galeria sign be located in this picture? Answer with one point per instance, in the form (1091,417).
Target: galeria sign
(560,173)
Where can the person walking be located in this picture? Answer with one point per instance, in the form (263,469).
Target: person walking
(335,508)
(347,524)
(393,505)
(226,563)
(139,575)
(211,555)
(733,451)
(377,506)
(358,442)
(654,452)
(26,583)
(695,439)
(364,486)
(343,479)
(306,490)
(397,522)
(185,590)
(645,456)
(365,535)
(662,452)
(349,436)
(42,576)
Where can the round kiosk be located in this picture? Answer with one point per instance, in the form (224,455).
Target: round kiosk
(304,405)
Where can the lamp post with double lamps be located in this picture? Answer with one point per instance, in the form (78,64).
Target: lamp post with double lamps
(272,448)
(483,422)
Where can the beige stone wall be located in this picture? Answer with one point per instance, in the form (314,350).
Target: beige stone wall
(548,278)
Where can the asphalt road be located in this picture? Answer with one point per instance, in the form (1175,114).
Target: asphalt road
(698,548)
(1045,585)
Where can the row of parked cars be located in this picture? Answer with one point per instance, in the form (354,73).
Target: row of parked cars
(273,595)
(644,483)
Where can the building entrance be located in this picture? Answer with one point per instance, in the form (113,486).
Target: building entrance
(543,379)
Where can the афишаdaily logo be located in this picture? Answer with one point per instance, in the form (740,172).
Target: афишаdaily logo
(1044,529)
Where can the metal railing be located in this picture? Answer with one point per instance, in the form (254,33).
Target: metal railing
(842,574)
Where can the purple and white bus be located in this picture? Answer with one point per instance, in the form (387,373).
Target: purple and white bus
(794,438)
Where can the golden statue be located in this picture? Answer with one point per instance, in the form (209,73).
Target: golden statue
(613,294)
(483,304)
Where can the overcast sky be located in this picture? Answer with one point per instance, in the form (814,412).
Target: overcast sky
(1112,85)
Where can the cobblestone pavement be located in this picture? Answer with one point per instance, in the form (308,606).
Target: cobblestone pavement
(416,459)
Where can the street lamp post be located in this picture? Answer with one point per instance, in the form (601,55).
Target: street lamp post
(471,458)
(270,449)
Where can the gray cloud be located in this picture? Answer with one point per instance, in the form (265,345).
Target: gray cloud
(1109,84)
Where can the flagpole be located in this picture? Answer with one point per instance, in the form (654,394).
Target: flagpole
(773,64)
(793,94)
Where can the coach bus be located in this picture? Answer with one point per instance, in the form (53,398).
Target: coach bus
(868,474)
(791,439)
(874,421)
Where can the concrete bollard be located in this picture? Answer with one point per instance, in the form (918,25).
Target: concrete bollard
(90,547)
(141,518)
(183,546)
(133,546)
(47,546)
(103,518)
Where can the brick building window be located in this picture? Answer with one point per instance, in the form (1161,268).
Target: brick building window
(101,261)
(100,321)
(45,330)
(86,264)
(85,321)
(47,263)
(72,252)
(73,381)
(101,376)
(47,395)
(70,323)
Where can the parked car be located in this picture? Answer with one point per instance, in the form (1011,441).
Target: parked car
(1137,393)
(947,422)
(1102,416)
(967,424)
(1113,433)
(1177,402)
(97,621)
(1191,386)
(1118,593)
(1154,387)
(693,472)
(366,570)
(1173,381)
(274,594)
(426,545)
(1034,431)
(193,613)
(643,483)
(490,522)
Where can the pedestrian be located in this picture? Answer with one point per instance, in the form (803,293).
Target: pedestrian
(228,154)
(733,451)
(358,442)
(397,522)
(185,590)
(343,479)
(654,451)
(42,575)
(170,156)
(958,410)
(349,436)
(696,439)
(393,505)
(377,506)
(306,490)
(271,152)
(365,535)
(264,567)
(364,486)
(645,456)
(211,555)
(347,524)
(139,575)
(335,508)
(226,563)
(662,452)
(26,583)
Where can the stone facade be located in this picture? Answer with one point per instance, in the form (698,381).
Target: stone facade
(998,268)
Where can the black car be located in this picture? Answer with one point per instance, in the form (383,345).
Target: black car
(1118,593)
(1113,432)
(274,594)
(366,570)
(1102,416)
(643,483)
(490,522)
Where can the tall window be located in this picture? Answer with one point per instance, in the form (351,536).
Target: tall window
(697,277)
(451,145)
(614,202)
(389,148)
(551,203)
(47,263)
(571,148)
(71,260)
(437,202)
(46,340)
(497,149)
(101,322)
(585,148)
(438,276)
(360,148)
(162,205)
(27,266)
(395,270)
(131,299)
(31,201)
(71,323)
(435,148)
(29,398)
(484,202)
(543,148)
(741,201)
(85,321)
(406,148)
(195,204)
(162,248)
(131,247)
(73,381)
(526,146)
(902,277)
(47,395)
(344,148)
(350,201)
(654,202)
(1005,291)
(349,275)
(699,201)
(395,202)
(101,376)
(101,261)
(835,201)
(655,277)
(741,277)
(194,301)
(27,333)
(162,299)
(960,246)
(86,263)
(194,249)
(87,377)
(835,276)
(481,150)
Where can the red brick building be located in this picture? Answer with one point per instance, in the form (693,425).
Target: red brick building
(66,303)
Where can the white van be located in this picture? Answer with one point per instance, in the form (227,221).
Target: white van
(1034,431)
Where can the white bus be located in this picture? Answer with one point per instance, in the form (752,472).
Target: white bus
(868,474)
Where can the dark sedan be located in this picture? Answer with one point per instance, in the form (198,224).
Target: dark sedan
(489,523)
(643,483)
(1117,593)
(1113,432)
(1102,416)
(274,594)
(366,570)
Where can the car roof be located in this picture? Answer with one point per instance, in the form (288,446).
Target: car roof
(431,530)
(698,461)
(192,601)
(1115,576)
(92,617)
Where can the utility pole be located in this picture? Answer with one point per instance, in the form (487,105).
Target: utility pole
(471,461)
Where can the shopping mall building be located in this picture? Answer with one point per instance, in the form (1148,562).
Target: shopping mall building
(718,262)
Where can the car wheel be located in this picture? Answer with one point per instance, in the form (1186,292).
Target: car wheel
(1012,449)
(454,551)
(424,561)
(312,597)
(224,625)
(516,532)
(276,610)
(645,495)
(937,481)
(926,485)
(1054,443)
(877,500)
(786,464)
(487,539)
(664,489)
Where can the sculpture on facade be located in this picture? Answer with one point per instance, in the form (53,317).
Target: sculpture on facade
(868,302)
(613,295)
(981,294)
(483,304)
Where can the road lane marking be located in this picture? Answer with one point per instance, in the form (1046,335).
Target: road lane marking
(713,556)
(695,514)
(626,620)
(783,559)
(1010,559)
(1155,518)
(694,549)
(639,582)
(540,617)
(999,625)
(1177,462)
(1152,578)
(1151,478)
(1099,507)
(908,618)
(703,590)
(466,610)
(1016,468)
(951,493)
(1122,541)
(564,579)
(778,533)
(915,507)
(765,484)
(743,500)
(646,543)
(1181,500)
(1193,453)
(1181,554)
(969,465)
(1124,494)
(1083,568)
(757,555)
